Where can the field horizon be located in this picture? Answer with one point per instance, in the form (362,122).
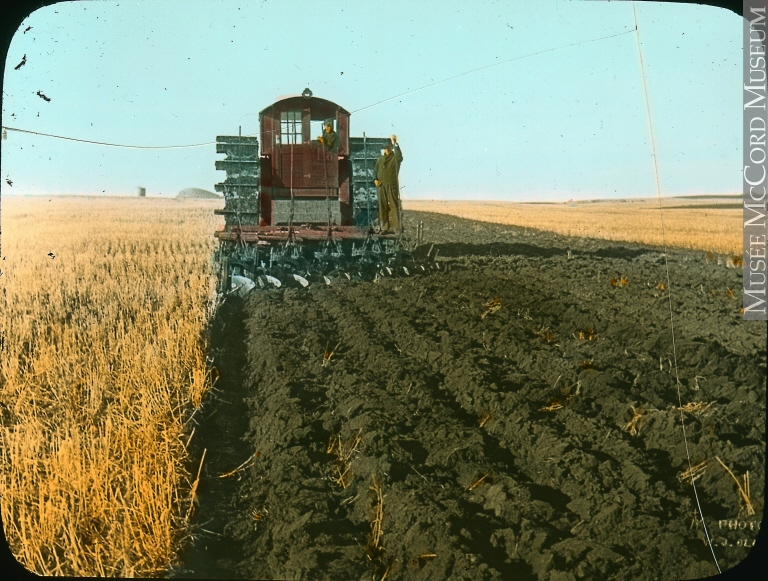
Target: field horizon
(14,194)
(684,222)
(707,222)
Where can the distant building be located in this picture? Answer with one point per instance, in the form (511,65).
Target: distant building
(141,192)
(189,193)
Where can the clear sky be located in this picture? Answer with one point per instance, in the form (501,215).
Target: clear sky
(568,123)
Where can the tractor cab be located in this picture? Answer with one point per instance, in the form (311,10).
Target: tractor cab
(303,181)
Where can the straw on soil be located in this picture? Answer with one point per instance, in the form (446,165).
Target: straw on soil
(544,333)
(491,307)
(327,354)
(587,333)
(242,466)
(633,425)
(344,453)
(694,472)
(695,406)
(479,482)
(743,488)
(373,545)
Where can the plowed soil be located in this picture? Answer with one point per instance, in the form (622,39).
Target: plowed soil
(517,411)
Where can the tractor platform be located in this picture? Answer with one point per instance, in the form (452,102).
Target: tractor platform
(301,233)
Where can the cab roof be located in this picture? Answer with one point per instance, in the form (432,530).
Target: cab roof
(321,108)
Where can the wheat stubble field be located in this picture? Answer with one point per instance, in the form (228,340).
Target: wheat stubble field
(103,307)
(706,223)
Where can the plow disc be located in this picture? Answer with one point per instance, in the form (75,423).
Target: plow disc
(247,268)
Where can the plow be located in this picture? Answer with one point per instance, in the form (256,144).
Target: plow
(300,211)
(298,263)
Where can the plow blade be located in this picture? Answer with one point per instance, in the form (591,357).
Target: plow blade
(247,267)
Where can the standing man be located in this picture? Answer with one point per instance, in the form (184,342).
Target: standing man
(329,139)
(386,180)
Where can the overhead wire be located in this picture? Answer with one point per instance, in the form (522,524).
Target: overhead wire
(106,143)
(491,66)
(128,146)
(669,286)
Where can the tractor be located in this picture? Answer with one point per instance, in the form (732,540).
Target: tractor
(298,211)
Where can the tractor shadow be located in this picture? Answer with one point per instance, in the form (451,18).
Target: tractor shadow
(494,249)
(214,552)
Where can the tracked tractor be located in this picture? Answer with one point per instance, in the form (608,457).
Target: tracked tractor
(301,210)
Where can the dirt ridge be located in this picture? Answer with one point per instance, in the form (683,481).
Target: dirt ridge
(502,438)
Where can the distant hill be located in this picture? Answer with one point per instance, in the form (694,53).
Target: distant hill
(196,193)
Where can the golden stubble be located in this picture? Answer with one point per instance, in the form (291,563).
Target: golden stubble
(103,308)
(717,230)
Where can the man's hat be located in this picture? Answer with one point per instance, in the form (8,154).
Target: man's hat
(387,145)
(328,122)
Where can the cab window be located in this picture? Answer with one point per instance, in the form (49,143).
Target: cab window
(290,128)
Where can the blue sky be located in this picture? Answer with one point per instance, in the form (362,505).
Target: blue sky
(566,124)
